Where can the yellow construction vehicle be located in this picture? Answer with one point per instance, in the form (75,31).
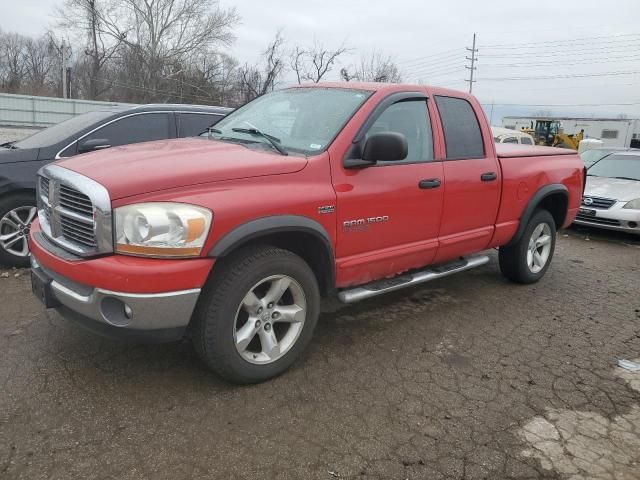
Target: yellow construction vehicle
(550,134)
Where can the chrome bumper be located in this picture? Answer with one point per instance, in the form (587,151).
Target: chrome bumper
(126,311)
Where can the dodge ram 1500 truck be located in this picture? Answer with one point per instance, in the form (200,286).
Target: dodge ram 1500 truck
(350,189)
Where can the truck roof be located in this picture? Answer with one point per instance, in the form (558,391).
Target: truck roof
(388,87)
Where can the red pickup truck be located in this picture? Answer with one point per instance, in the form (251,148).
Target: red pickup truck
(234,237)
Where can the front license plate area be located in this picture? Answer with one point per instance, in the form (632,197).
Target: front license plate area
(590,212)
(41,288)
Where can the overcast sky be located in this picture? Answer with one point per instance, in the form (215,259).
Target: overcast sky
(587,47)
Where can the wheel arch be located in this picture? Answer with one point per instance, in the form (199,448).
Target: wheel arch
(553,198)
(298,234)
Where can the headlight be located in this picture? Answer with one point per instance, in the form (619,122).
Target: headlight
(161,229)
(633,204)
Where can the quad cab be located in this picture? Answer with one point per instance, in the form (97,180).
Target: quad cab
(352,190)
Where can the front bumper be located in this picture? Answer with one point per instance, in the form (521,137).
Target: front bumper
(147,317)
(614,218)
(130,297)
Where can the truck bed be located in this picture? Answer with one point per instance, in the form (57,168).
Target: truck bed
(511,150)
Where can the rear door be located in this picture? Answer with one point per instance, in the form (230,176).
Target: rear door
(472,176)
(389,214)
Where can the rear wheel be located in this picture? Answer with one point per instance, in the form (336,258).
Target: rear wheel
(256,314)
(16,214)
(528,260)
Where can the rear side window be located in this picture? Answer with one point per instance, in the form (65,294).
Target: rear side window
(510,140)
(194,124)
(462,134)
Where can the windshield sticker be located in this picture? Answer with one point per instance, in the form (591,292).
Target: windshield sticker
(315,146)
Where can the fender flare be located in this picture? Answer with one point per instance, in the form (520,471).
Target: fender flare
(535,200)
(275,224)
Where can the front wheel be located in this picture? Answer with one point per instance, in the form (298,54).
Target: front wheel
(16,214)
(256,314)
(528,260)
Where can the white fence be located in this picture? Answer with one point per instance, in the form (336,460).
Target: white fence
(30,111)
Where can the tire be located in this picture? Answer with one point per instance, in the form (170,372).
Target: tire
(16,214)
(518,262)
(226,306)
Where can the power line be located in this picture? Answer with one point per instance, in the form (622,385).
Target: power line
(560,62)
(439,54)
(566,53)
(552,77)
(557,42)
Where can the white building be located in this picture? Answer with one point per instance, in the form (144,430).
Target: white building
(614,132)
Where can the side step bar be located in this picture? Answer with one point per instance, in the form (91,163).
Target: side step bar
(408,280)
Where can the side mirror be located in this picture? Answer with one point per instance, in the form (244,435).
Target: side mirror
(93,144)
(380,147)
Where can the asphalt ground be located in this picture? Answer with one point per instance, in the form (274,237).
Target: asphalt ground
(469,377)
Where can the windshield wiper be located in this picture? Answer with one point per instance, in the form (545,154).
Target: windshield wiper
(9,145)
(628,178)
(270,138)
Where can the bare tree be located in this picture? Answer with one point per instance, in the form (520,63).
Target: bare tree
(161,33)
(255,81)
(12,53)
(87,18)
(313,63)
(373,67)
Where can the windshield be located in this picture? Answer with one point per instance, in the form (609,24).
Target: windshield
(592,156)
(61,131)
(618,166)
(303,120)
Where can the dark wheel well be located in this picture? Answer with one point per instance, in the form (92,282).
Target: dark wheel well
(556,204)
(311,248)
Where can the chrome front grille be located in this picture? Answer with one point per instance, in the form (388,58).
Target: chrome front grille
(598,202)
(74,211)
(75,201)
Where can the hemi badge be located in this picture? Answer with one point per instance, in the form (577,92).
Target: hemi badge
(327,209)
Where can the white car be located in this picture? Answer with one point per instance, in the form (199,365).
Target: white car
(612,193)
(507,135)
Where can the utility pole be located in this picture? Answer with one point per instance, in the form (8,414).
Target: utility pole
(473,67)
(63,51)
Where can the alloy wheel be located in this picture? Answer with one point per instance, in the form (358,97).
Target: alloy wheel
(539,248)
(269,319)
(14,230)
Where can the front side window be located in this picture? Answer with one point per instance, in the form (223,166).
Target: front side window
(134,129)
(411,119)
(462,134)
(510,140)
(300,120)
(526,141)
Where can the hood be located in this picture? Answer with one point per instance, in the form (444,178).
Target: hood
(616,188)
(12,155)
(161,165)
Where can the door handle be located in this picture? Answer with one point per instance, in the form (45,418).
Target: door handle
(429,183)
(489,176)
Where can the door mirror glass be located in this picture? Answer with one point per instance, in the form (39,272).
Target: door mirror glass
(385,147)
(93,144)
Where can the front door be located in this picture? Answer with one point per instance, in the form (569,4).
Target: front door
(389,214)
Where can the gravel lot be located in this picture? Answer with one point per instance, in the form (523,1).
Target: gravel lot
(470,377)
(8,134)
